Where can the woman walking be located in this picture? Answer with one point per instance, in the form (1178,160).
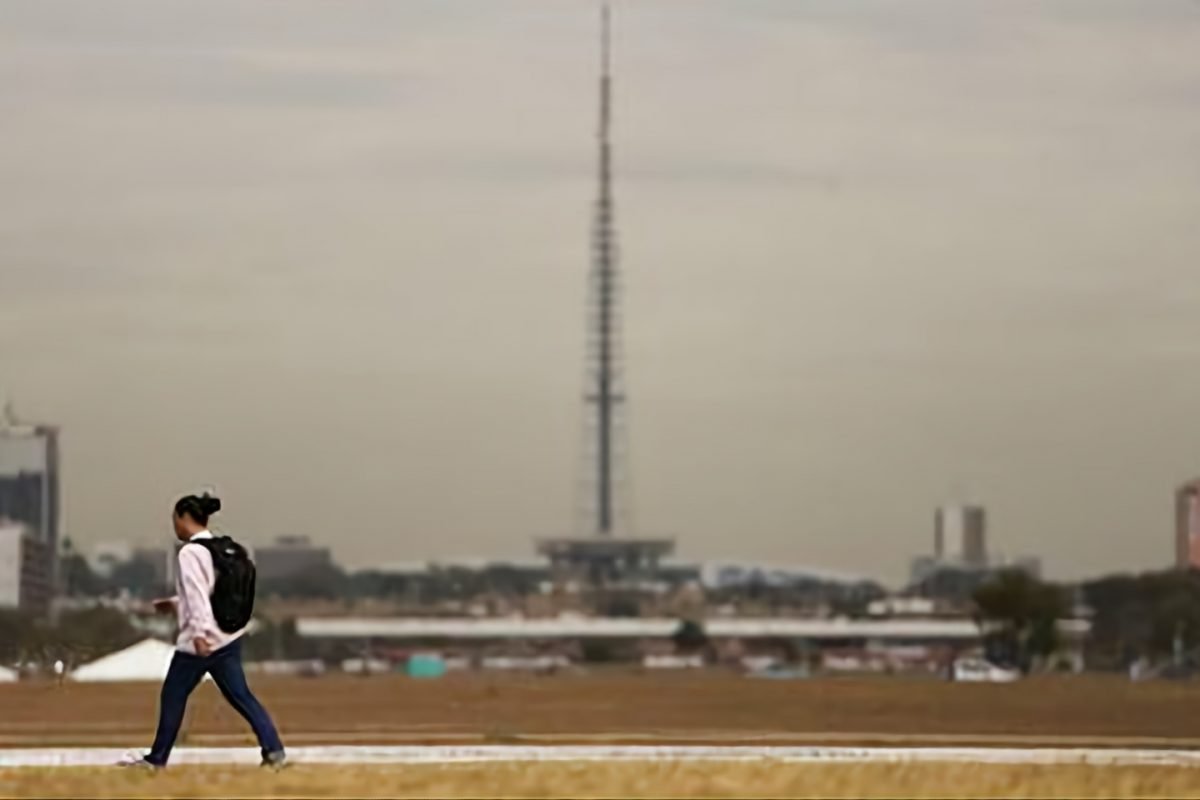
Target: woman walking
(202,646)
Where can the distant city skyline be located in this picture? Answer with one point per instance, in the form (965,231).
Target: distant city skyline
(332,263)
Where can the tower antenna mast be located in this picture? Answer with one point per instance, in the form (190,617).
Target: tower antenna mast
(603,395)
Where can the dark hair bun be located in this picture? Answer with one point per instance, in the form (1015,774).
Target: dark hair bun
(198,508)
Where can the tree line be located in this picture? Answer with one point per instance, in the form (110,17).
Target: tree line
(1153,615)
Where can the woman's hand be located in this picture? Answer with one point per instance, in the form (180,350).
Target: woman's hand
(165,605)
(202,646)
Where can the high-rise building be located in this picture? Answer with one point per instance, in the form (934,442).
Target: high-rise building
(29,480)
(291,556)
(26,582)
(962,529)
(960,548)
(1187,525)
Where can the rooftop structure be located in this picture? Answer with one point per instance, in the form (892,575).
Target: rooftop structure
(148,660)
(578,627)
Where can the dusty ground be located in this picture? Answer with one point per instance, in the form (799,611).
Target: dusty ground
(614,780)
(1086,710)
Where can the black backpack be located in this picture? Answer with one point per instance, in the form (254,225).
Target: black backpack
(233,593)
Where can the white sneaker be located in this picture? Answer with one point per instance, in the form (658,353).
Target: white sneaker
(132,760)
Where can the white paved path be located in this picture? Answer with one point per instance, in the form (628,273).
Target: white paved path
(449,754)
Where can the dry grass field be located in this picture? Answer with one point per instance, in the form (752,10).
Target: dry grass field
(626,708)
(613,780)
(623,708)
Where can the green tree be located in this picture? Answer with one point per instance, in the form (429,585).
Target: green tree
(1136,615)
(278,640)
(325,582)
(138,577)
(1018,616)
(78,578)
(81,636)
(78,637)
(690,636)
(951,584)
(16,631)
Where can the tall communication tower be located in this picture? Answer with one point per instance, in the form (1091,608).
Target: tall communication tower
(607,554)
(604,393)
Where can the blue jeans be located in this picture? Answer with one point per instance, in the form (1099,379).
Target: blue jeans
(185,673)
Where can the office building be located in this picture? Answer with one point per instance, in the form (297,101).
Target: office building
(960,534)
(960,546)
(29,479)
(1187,525)
(26,581)
(289,557)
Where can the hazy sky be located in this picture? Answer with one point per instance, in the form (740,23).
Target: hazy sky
(330,257)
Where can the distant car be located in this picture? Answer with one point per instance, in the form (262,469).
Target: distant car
(978,670)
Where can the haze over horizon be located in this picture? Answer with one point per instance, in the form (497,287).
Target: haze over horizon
(330,258)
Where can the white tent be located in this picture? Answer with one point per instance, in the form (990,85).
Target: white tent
(147,660)
(7,675)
